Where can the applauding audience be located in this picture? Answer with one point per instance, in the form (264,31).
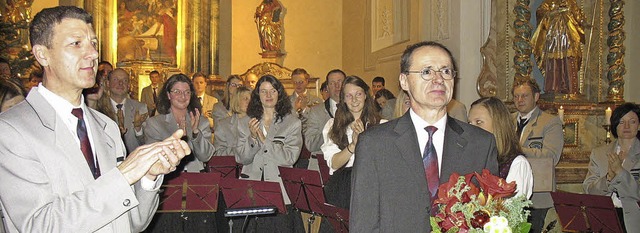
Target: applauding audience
(226,136)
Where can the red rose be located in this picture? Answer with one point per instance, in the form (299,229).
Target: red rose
(495,186)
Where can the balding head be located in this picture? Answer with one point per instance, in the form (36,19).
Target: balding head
(119,83)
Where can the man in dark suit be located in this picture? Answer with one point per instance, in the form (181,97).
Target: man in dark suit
(390,182)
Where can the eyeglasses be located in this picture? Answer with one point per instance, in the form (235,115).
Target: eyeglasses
(358,96)
(429,74)
(236,84)
(180,92)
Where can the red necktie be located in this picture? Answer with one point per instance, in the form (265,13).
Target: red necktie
(430,161)
(85,145)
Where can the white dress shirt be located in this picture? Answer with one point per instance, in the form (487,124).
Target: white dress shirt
(423,136)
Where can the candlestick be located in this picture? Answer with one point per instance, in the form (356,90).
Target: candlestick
(561,113)
(607,115)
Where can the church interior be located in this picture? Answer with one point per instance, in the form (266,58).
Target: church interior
(491,41)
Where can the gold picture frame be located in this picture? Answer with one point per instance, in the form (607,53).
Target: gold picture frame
(570,130)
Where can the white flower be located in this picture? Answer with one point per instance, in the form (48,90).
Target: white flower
(497,224)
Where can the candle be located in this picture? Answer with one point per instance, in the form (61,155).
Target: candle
(561,113)
(607,115)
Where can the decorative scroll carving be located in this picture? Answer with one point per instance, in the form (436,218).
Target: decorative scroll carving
(615,59)
(521,43)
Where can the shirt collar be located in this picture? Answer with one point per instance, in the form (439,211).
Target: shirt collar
(528,115)
(420,123)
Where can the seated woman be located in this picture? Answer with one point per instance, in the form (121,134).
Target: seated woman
(268,138)
(222,109)
(492,115)
(178,107)
(614,169)
(355,112)
(226,130)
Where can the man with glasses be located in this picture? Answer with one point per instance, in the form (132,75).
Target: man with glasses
(401,163)
(301,100)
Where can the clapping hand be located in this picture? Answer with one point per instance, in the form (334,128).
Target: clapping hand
(357,128)
(256,132)
(615,164)
(138,119)
(154,159)
(195,120)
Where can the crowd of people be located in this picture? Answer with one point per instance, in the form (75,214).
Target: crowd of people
(93,161)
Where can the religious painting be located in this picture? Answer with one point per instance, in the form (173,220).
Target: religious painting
(147,30)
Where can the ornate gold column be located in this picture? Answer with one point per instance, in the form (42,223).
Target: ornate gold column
(521,43)
(615,59)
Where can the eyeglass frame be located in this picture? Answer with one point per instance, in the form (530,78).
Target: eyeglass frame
(181,92)
(422,74)
(236,85)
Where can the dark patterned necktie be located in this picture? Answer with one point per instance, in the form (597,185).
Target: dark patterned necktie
(120,116)
(521,124)
(85,145)
(430,161)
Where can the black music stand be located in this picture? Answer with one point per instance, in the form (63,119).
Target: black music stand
(246,198)
(190,192)
(323,167)
(586,213)
(225,165)
(305,191)
(338,217)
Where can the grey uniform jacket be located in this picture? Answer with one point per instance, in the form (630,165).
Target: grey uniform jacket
(625,183)
(281,148)
(46,184)
(162,126)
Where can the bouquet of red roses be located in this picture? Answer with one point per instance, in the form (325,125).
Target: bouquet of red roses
(462,207)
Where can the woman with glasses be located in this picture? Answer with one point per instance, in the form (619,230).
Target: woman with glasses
(268,138)
(179,108)
(221,109)
(226,135)
(355,112)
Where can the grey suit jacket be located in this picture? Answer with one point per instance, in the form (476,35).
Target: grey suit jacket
(389,191)
(161,126)
(625,183)
(226,136)
(146,97)
(542,137)
(281,148)
(219,112)
(131,140)
(47,185)
(315,120)
(207,106)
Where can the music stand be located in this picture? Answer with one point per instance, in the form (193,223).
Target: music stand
(304,188)
(190,192)
(225,165)
(246,198)
(586,213)
(338,217)
(323,167)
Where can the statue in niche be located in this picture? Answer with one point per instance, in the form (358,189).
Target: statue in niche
(269,22)
(557,44)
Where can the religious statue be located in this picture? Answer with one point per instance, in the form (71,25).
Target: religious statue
(269,25)
(557,44)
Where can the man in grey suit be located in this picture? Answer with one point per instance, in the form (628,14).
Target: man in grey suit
(149,94)
(541,139)
(127,112)
(301,99)
(206,101)
(390,191)
(314,121)
(62,164)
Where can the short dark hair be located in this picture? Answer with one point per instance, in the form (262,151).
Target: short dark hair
(198,74)
(405,62)
(336,71)
(323,86)
(283,105)
(104,63)
(378,80)
(164,105)
(41,29)
(300,71)
(619,112)
(526,82)
(154,72)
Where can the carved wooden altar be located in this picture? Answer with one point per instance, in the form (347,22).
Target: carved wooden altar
(507,56)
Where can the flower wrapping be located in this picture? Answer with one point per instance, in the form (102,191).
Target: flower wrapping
(463,207)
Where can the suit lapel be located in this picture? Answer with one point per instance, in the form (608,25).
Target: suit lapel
(632,159)
(407,144)
(454,145)
(529,127)
(103,144)
(129,113)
